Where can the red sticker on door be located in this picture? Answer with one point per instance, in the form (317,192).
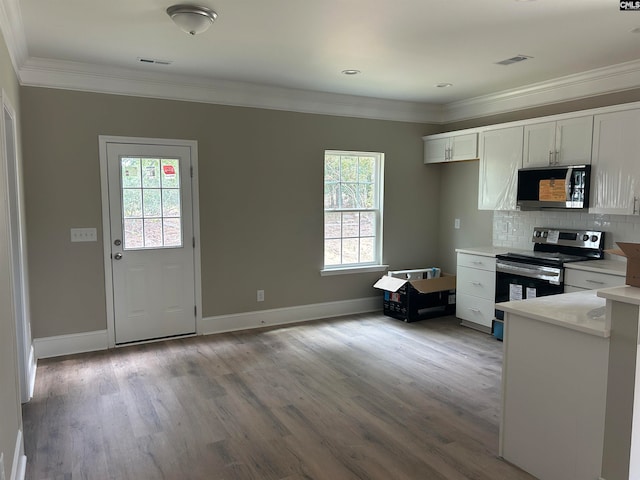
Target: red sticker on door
(169,170)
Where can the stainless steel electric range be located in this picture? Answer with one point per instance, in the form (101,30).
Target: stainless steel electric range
(541,272)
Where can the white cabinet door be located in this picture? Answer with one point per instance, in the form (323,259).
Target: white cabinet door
(539,144)
(435,150)
(565,142)
(500,159)
(451,149)
(463,147)
(573,141)
(476,310)
(591,280)
(615,173)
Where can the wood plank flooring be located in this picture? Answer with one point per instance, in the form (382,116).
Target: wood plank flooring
(359,397)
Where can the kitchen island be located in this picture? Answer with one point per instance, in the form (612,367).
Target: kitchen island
(556,352)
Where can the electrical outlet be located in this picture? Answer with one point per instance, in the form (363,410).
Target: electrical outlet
(260,295)
(456,223)
(84,235)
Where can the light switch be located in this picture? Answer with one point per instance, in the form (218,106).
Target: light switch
(84,235)
(456,223)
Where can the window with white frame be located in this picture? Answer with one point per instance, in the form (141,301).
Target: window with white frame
(353,186)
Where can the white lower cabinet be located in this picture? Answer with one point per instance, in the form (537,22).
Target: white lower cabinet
(577,280)
(476,290)
(554,397)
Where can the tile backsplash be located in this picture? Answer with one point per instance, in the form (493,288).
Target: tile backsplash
(514,229)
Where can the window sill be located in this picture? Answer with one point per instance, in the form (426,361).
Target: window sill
(347,270)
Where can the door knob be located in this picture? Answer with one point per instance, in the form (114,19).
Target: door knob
(118,256)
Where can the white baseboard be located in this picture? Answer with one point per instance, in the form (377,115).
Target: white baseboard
(68,344)
(19,467)
(99,340)
(282,316)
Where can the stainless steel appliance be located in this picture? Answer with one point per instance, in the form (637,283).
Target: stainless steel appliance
(541,272)
(558,187)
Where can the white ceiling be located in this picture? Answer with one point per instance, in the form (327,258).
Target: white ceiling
(402,47)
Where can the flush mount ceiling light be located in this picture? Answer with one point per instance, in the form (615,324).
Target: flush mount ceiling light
(444,85)
(192,19)
(350,72)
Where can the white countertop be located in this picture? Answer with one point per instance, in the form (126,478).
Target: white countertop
(610,267)
(580,311)
(488,251)
(626,294)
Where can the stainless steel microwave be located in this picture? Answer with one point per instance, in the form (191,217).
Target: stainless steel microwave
(558,187)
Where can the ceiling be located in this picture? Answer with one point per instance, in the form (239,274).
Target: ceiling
(403,48)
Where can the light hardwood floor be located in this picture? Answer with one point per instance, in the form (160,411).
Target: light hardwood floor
(359,397)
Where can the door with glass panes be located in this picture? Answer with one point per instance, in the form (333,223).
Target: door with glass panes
(152,242)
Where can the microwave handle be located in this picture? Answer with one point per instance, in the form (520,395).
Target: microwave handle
(568,185)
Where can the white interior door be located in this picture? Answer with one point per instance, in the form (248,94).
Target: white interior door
(152,240)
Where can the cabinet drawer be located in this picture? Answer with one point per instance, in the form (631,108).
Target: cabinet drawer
(477,261)
(480,283)
(474,309)
(591,280)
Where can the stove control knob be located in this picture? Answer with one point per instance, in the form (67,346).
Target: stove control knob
(585,237)
(594,238)
(545,234)
(538,233)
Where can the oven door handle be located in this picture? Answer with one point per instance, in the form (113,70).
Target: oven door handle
(538,272)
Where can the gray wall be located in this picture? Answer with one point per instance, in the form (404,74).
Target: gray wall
(260,200)
(459,199)
(10,409)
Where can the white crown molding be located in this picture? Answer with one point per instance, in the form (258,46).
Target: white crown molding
(38,72)
(92,78)
(615,78)
(13,32)
(123,81)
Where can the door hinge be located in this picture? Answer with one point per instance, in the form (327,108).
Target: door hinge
(195,310)
(194,242)
(191,171)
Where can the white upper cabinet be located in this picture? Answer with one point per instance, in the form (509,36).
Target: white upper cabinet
(436,150)
(500,159)
(615,171)
(562,142)
(453,148)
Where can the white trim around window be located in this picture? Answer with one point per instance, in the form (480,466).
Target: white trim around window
(353,212)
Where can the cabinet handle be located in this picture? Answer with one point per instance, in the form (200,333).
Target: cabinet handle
(476,262)
(477,284)
(635,201)
(474,310)
(597,282)
(556,156)
(550,157)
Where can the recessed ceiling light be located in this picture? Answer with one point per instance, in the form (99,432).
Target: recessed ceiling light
(444,85)
(351,72)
